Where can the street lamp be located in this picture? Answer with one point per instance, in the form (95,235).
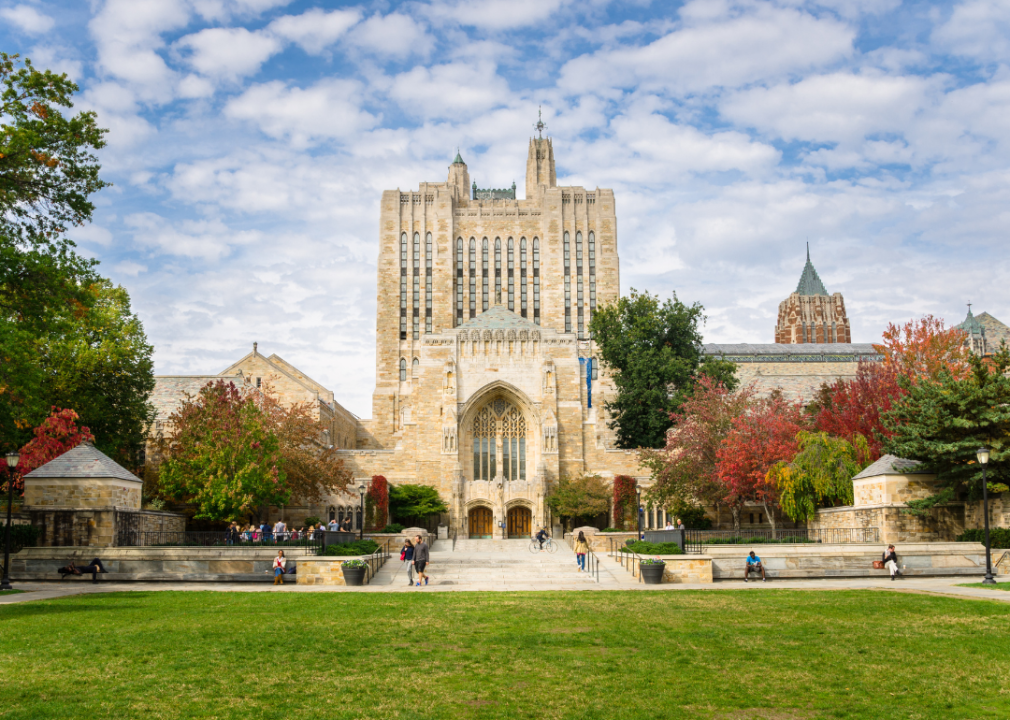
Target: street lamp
(361,525)
(12,462)
(983,460)
(638,493)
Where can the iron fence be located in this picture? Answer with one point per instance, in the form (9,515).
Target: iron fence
(696,540)
(218,538)
(592,562)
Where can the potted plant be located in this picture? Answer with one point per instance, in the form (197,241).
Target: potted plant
(354,571)
(652,570)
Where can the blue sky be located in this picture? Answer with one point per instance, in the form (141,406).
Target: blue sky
(250,141)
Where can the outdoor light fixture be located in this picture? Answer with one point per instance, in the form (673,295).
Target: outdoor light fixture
(983,459)
(361,525)
(12,462)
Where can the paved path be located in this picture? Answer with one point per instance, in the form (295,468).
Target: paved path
(503,566)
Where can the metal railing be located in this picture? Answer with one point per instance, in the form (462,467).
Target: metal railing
(695,541)
(378,558)
(592,562)
(217,538)
(629,559)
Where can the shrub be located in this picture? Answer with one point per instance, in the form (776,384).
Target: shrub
(22,536)
(998,537)
(625,499)
(358,547)
(612,530)
(693,517)
(392,528)
(756,540)
(647,548)
(311,520)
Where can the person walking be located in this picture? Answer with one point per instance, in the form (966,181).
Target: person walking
(420,559)
(581,548)
(891,561)
(280,565)
(407,556)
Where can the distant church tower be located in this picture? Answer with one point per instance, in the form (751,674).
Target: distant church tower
(810,315)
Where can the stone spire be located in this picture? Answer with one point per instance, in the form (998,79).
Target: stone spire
(810,315)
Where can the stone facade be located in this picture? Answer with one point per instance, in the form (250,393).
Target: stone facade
(810,315)
(687,569)
(487,385)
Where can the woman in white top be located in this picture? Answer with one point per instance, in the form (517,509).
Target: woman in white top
(280,563)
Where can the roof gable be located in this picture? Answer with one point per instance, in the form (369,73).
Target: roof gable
(498,317)
(83,461)
(889,465)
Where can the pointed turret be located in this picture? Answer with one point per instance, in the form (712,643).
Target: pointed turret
(810,282)
(459,177)
(811,315)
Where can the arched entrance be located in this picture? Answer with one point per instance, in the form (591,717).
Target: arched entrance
(520,522)
(480,523)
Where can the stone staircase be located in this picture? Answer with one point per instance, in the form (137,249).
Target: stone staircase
(501,565)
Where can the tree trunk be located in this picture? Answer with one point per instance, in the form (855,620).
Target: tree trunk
(771,517)
(735,511)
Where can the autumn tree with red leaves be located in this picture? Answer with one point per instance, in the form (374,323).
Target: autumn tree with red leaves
(57,434)
(851,407)
(625,499)
(757,440)
(921,349)
(377,503)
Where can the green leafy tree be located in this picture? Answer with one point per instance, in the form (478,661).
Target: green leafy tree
(410,504)
(579,498)
(943,423)
(47,174)
(820,474)
(221,456)
(654,352)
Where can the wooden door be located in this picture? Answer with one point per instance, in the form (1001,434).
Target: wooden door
(480,523)
(519,521)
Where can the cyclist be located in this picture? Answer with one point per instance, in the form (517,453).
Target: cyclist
(542,537)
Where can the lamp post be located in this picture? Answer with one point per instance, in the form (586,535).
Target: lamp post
(361,525)
(638,507)
(12,462)
(983,460)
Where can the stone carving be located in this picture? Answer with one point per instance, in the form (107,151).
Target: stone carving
(449,370)
(511,335)
(535,336)
(449,429)
(549,376)
(487,336)
(550,431)
(524,335)
(475,335)
(499,335)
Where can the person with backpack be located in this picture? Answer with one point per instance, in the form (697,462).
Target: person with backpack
(581,549)
(407,556)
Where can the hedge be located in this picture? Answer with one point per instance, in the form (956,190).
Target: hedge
(998,537)
(358,547)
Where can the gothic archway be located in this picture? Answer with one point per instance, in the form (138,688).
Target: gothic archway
(499,437)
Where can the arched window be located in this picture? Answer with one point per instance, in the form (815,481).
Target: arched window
(332,513)
(403,370)
(458,315)
(522,277)
(511,276)
(403,286)
(536,281)
(568,283)
(417,285)
(578,283)
(427,283)
(473,278)
(484,276)
(499,421)
(592,274)
(414,366)
(497,271)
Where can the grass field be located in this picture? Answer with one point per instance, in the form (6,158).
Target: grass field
(727,655)
(998,586)
(10,592)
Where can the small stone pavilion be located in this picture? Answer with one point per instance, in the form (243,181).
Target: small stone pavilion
(85,498)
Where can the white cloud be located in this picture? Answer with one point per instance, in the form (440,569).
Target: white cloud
(445,90)
(315,29)
(979,29)
(328,109)
(395,35)
(495,14)
(27,19)
(228,53)
(203,239)
(128,267)
(715,48)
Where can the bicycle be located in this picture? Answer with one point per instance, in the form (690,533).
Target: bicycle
(549,545)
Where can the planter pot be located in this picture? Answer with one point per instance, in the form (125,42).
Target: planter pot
(354,575)
(652,574)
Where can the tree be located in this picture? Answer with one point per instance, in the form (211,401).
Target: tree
(625,499)
(921,350)
(580,498)
(853,408)
(377,503)
(412,503)
(654,352)
(100,364)
(57,434)
(686,471)
(820,474)
(47,174)
(943,423)
(222,457)
(311,469)
(758,439)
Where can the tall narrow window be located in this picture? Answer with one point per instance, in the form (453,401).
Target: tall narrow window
(414,368)
(497,271)
(473,278)
(484,276)
(458,315)
(522,277)
(536,281)
(403,370)
(427,283)
(592,274)
(511,276)
(578,282)
(568,283)
(403,286)
(417,284)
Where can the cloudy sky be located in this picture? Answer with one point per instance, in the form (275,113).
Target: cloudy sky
(250,141)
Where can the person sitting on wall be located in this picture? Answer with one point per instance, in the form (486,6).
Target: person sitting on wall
(890,558)
(94,567)
(754,564)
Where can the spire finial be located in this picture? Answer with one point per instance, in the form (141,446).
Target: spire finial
(540,125)
(808,251)
(969,307)
(255,346)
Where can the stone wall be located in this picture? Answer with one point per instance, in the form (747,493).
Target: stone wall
(97,527)
(895,525)
(81,493)
(687,569)
(325,571)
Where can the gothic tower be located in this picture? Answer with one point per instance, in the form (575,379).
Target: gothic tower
(810,315)
(540,166)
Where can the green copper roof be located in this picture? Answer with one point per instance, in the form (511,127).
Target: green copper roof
(459,159)
(810,282)
(971,325)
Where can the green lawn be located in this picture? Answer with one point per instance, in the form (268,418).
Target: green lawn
(10,592)
(726,655)
(1004,585)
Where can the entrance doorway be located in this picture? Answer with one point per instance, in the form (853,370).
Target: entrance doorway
(520,520)
(480,523)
